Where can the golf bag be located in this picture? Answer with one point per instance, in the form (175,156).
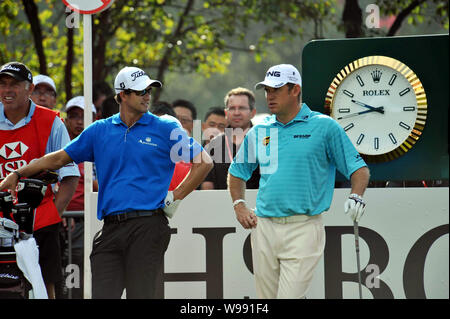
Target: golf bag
(17,224)
(13,284)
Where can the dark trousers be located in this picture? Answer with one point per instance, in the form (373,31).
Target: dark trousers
(50,260)
(129,255)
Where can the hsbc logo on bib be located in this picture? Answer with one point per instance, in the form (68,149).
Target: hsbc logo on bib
(13,150)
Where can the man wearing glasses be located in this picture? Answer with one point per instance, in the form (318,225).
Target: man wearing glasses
(134,153)
(239,110)
(44,93)
(214,124)
(186,113)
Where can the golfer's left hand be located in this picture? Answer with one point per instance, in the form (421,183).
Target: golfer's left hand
(171,205)
(355,207)
(245,216)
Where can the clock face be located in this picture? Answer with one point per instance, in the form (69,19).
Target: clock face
(381,105)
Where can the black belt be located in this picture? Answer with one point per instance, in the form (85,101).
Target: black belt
(129,215)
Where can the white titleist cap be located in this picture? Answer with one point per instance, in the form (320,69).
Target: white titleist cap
(279,75)
(78,101)
(44,79)
(132,78)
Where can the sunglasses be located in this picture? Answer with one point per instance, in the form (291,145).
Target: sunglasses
(140,93)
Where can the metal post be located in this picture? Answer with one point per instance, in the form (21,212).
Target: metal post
(87,42)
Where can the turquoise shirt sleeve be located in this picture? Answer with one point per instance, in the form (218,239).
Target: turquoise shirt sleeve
(245,161)
(341,150)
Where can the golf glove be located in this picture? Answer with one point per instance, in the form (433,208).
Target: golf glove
(170,206)
(355,206)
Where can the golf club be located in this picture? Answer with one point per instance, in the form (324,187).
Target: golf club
(355,229)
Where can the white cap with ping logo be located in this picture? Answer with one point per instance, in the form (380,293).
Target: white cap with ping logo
(279,75)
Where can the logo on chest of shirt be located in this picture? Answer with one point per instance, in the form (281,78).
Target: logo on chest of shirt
(147,141)
(13,150)
(302,136)
(266,141)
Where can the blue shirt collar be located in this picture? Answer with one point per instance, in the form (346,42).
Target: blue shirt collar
(145,119)
(302,116)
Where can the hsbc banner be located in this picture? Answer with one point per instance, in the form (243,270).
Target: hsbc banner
(404,248)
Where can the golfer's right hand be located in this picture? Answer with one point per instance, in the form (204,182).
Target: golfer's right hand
(245,216)
(10,183)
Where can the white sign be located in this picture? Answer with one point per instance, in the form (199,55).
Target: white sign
(404,247)
(88,6)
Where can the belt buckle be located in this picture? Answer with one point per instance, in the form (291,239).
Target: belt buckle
(122,217)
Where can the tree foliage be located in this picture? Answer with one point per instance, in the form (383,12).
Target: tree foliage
(414,12)
(167,36)
(160,35)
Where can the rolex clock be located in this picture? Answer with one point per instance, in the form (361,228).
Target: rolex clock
(381,104)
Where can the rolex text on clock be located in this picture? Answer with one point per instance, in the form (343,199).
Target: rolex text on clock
(381,104)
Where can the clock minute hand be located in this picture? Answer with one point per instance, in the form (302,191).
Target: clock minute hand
(375,109)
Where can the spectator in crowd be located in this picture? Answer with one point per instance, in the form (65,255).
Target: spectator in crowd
(44,93)
(100,92)
(239,110)
(75,125)
(109,107)
(182,169)
(75,116)
(186,114)
(214,124)
(162,107)
(42,132)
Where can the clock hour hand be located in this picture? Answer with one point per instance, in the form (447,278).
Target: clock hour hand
(375,109)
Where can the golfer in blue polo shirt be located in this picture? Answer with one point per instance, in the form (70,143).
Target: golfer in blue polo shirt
(135,154)
(298,152)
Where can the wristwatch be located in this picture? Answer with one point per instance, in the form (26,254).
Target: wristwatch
(18,174)
(237,201)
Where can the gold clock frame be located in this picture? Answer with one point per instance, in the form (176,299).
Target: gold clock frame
(416,84)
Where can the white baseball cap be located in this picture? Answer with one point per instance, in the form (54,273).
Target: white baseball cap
(133,78)
(44,79)
(279,75)
(78,101)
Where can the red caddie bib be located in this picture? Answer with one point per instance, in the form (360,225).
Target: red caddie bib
(20,146)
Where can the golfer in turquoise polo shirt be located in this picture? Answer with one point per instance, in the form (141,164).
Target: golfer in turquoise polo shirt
(298,152)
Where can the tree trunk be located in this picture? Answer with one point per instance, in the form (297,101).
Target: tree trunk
(31,11)
(69,64)
(164,64)
(352,19)
(100,36)
(402,16)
